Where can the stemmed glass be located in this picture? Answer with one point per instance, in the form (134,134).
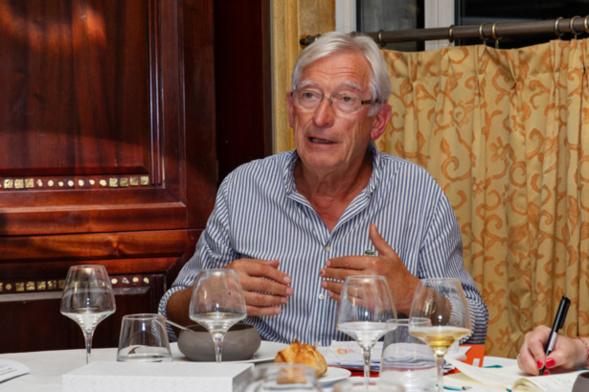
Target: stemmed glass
(442,302)
(217,303)
(87,299)
(365,312)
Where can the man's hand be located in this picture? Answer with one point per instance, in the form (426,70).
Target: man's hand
(264,286)
(387,264)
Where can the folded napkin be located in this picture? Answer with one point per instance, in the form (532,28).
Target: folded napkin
(348,355)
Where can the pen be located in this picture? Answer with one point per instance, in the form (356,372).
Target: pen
(561,314)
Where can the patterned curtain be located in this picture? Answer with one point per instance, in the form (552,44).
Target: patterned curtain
(506,135)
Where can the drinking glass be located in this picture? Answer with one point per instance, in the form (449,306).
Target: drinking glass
(283,377)
(144,338)
(217,303)
(357,384)
(407,360)
(366,312)
(443,303)
(87,299)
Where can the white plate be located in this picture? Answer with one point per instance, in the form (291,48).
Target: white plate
(266,352)
(333,374)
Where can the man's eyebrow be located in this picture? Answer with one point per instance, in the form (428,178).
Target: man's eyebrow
(346,85)
(306,83)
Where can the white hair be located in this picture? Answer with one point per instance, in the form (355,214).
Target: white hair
(336,42)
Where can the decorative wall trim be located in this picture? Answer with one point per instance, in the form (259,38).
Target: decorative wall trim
(73,182)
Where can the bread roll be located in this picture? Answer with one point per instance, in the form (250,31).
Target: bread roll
(303,354)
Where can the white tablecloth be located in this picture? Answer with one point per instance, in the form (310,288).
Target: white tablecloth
(47,367)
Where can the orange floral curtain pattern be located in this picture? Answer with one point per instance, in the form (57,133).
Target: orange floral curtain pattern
(506,135)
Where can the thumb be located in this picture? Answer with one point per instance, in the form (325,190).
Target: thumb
(380,244)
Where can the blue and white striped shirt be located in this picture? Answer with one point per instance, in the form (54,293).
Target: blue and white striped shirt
(259,214)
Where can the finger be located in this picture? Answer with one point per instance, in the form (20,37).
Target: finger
(332,287)
(357,263)
(263,311)
(260,299)
(266,286)
(246,268)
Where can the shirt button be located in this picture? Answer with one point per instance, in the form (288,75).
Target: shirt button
(328,248)
(321,297)
(317,343)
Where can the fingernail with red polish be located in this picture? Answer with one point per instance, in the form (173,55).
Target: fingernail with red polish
(546,373)
(539,364)
(550,362)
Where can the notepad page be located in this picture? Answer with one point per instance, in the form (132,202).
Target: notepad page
(511,377)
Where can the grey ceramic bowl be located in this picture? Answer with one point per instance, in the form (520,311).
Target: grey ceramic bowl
(241,342)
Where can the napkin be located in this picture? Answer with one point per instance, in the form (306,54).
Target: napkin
(157,377)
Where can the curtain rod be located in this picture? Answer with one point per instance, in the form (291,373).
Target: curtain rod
(485,31)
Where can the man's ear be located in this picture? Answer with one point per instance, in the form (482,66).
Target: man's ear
(381,120)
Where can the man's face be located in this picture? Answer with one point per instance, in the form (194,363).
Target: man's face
(328,140)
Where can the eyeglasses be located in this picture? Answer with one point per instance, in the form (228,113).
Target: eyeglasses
(344,103)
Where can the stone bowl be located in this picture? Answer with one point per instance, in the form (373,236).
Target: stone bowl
(240,343)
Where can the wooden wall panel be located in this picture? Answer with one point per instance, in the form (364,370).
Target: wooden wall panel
(107,153)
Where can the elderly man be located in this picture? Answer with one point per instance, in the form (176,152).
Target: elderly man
(296,224)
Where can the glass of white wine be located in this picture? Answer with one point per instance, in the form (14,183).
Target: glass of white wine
(87,298)
(366,312)
(442,302)
(217,303)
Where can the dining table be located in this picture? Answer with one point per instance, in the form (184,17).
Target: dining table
(48,367)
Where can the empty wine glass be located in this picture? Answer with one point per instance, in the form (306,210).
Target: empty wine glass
(87,299)
(217,303)
(365,311)
(442,302)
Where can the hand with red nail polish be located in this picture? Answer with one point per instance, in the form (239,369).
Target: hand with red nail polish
(568,354)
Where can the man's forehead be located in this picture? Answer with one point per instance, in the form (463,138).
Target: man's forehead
(345,70)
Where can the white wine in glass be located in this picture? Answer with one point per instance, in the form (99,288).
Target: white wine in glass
(87,298)
(217,303)
(441,302)
(365,311)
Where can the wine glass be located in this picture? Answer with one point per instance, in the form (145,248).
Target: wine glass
(87,299)
(217,303)
(365,311)
(442,302)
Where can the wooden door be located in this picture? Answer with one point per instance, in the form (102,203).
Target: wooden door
(107,154)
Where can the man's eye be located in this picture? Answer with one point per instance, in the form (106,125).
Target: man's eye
(348,99)
(309,95)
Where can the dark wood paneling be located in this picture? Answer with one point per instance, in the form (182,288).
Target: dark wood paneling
(243,81)
(107,153)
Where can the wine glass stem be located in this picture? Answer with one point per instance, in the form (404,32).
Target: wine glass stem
(440,365)
(88,339)
(218,340)
(366,356)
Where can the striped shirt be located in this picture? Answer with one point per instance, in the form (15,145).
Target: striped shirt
(259,214)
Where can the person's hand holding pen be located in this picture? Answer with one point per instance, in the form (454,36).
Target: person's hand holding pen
(566,354)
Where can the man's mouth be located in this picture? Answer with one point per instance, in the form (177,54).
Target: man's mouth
(315,140)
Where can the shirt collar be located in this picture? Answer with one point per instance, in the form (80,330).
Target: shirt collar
(291,161)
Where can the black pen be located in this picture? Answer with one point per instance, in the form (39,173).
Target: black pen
(561,314)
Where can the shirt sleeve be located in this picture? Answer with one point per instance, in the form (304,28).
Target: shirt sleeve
(441,256)
(213,250)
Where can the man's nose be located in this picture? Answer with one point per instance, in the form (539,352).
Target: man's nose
(324,115)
